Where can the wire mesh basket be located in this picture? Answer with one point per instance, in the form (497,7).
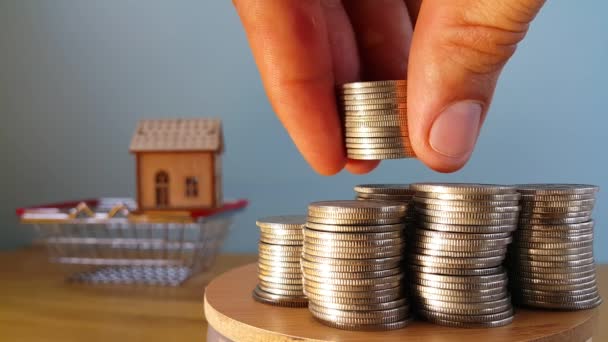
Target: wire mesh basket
(107,245)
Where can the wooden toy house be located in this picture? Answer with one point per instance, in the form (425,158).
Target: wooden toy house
(178,163)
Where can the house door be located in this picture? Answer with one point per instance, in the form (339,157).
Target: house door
(162,189)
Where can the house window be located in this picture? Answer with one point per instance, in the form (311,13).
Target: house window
(191,187)
(162,189)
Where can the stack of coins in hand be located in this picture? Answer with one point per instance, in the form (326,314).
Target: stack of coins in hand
(375,120)
(351,264)
(279,273)
(551,258)
(460,241)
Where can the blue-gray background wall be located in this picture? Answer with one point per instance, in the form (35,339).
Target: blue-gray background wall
(76,75)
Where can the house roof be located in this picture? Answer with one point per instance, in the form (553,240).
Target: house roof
(201,134)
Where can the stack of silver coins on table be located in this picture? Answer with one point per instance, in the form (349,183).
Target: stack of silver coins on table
(552,263)
(279,273)
(455,260)
(388,192)
(375,120)
(351,264)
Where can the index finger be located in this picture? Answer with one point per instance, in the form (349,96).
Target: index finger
(290,44)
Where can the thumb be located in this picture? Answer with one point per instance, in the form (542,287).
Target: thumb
(458,49)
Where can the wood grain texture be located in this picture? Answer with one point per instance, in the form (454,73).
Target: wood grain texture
(37,304)
(231,311)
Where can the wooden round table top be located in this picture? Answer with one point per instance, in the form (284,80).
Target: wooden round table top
(232,312)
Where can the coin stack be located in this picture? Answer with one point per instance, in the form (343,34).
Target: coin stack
(460,241)
(552,264)
(375,120)
(388,192)
(351,264)
(279,273)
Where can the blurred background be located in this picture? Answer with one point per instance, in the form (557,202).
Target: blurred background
(75,76)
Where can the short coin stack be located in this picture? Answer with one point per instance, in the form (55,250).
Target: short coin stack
(551,258)
(388,192)
(460,241)
(375,120)
(279,273)
(351,264)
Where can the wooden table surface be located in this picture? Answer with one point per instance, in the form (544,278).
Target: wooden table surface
(36,304)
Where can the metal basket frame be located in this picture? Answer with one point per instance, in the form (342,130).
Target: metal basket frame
(118,250)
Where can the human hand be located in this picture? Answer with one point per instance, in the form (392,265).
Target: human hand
(303,48)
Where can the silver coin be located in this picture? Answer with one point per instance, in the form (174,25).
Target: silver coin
(467,228)
(350,206)
(282,222)
(376,118)
(373,96)
(422,249)
(468,221)
(556,210)
(374,112)
(467,215)
(386,261)
(550,234)
(385,197)
(556,216)
(462,279)
(376,134)
(384,156)
(355,215)
(427,260)
(384,106)
(374,84)
(354,244)
(534,275)
(557,189)
(468,196)
(355,228)
(570,269)
(376,124)
(467,209)
(542,239)
(355,222)
(466,203)
(558,227)
(464,188)
(376,146)
(431,315)
(450,270)
(542,251)
(490,324)
(374,151)
(468,243)
(555,199)
(399,89)
(461,236)
(461,286)
(365,140)
(394,100)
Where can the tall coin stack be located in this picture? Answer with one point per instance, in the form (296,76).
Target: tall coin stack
(552,262)
(351,264)
(460,241)
(375,120)
(279,273)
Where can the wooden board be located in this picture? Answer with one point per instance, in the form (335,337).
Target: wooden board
(230,309)
(37,304)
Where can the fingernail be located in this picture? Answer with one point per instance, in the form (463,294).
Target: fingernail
(455,130)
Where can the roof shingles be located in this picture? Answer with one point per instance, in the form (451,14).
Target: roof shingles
(201,134)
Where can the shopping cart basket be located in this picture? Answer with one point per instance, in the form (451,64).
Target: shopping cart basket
(107,243)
